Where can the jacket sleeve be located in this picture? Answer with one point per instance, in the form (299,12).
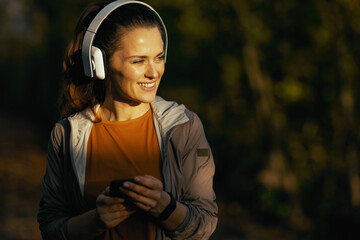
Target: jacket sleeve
(54,209)
(198,170)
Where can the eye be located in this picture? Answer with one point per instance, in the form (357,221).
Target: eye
(137,61)
(160,58)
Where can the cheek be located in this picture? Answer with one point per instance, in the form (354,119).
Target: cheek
(162,70)
(132,72)
(128,77)
(136,73)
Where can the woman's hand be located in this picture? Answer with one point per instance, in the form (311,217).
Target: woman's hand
(110,211)
(147,193)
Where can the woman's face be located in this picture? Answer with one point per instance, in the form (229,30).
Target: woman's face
(136,68)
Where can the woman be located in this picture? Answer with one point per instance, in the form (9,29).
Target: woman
(117,128)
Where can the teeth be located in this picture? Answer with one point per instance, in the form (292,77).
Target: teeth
(147,85)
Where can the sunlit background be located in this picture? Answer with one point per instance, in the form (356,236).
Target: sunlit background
(276,84)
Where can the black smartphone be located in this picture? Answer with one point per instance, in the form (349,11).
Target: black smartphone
(116,192)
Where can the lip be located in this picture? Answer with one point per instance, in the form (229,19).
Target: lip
(147,86)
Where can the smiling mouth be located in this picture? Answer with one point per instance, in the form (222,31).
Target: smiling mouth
(147,85)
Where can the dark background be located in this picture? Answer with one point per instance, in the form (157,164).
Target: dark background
(276,84)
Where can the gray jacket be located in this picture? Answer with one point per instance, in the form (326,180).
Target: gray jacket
(187,169)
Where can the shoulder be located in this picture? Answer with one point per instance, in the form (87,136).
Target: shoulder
(195,119)
(169,114)
(81,122)
(60,132)
(60,128)
(193,129)
(173,114)
(162,107)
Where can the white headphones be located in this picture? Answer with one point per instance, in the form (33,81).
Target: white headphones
(93,58)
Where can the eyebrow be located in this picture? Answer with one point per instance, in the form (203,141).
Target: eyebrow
(141,56)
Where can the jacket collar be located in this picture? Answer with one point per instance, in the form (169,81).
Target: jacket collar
(167,115)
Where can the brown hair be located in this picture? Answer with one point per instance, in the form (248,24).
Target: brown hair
(79,91)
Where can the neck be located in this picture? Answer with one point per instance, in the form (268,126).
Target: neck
(122,111)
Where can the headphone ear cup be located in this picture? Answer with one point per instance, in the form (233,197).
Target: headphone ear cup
(98,62)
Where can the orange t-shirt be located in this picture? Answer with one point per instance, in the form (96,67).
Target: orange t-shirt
(120,150)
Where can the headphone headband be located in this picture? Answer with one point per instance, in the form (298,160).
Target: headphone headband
(94,26)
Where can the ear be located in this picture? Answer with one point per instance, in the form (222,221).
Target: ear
(97,60)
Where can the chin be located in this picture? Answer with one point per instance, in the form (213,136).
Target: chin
(148,98)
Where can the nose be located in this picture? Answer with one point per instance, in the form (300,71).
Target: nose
(151,71)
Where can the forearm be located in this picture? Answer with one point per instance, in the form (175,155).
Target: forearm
(84,226)
(176,217)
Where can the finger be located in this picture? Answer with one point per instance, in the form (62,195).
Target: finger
(131,189)
(149,199)
(107,191)
(113,200)
(118,214)
(113,219)
(149,181)
(109,213)
(143,206)
(145,190)
(104,196)
(116,208)
(106,200)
